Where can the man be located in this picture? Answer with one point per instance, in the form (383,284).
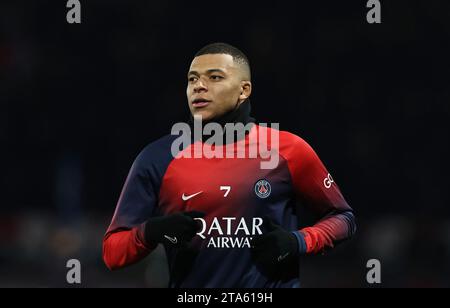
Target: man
(226,222)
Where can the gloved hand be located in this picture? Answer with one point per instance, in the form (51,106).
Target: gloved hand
(276,252)
(176,229)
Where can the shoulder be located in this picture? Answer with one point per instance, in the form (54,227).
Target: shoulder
(156,152)
(286,140)
(294,148)
(291,139)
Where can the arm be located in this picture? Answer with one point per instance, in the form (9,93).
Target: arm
(138,226)
(328,232)
(316,189)
(124,248)
(123,243)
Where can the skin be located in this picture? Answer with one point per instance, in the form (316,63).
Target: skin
(220,83)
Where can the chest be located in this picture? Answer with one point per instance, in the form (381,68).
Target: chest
(224,187)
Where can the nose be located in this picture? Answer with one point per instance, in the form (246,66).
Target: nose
(200,86)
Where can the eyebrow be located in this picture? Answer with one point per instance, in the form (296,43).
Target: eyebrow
(213,70)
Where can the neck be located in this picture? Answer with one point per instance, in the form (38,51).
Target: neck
(241,114)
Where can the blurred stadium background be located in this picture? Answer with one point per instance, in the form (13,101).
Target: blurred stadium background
(78,102)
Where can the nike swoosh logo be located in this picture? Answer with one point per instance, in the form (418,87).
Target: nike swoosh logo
(173,240)
(281,258)
(186,198)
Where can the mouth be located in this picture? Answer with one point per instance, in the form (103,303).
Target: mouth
(200,102)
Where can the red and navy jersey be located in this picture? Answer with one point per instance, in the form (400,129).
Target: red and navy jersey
(233,193)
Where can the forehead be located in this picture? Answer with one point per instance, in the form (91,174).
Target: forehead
(213,61)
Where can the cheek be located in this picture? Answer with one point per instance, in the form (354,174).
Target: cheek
(228,93)
(188,91)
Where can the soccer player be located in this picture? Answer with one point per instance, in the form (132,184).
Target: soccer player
(226,222)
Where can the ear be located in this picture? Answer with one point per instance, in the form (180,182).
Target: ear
(246,90)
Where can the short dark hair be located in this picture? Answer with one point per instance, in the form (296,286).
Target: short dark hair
(224,48)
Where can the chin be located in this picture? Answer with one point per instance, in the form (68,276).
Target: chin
(206,116)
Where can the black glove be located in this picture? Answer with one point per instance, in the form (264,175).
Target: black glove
(176,229)
(276,252)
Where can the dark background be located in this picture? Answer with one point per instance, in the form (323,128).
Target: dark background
(78,102)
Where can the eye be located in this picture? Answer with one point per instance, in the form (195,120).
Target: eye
(216,77)
(192,79)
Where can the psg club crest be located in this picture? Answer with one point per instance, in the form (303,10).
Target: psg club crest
(263,189)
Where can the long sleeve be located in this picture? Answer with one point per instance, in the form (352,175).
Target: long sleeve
(124,248)
(316,189)
(124,243)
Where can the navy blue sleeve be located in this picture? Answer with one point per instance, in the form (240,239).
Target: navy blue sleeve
(139,197)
